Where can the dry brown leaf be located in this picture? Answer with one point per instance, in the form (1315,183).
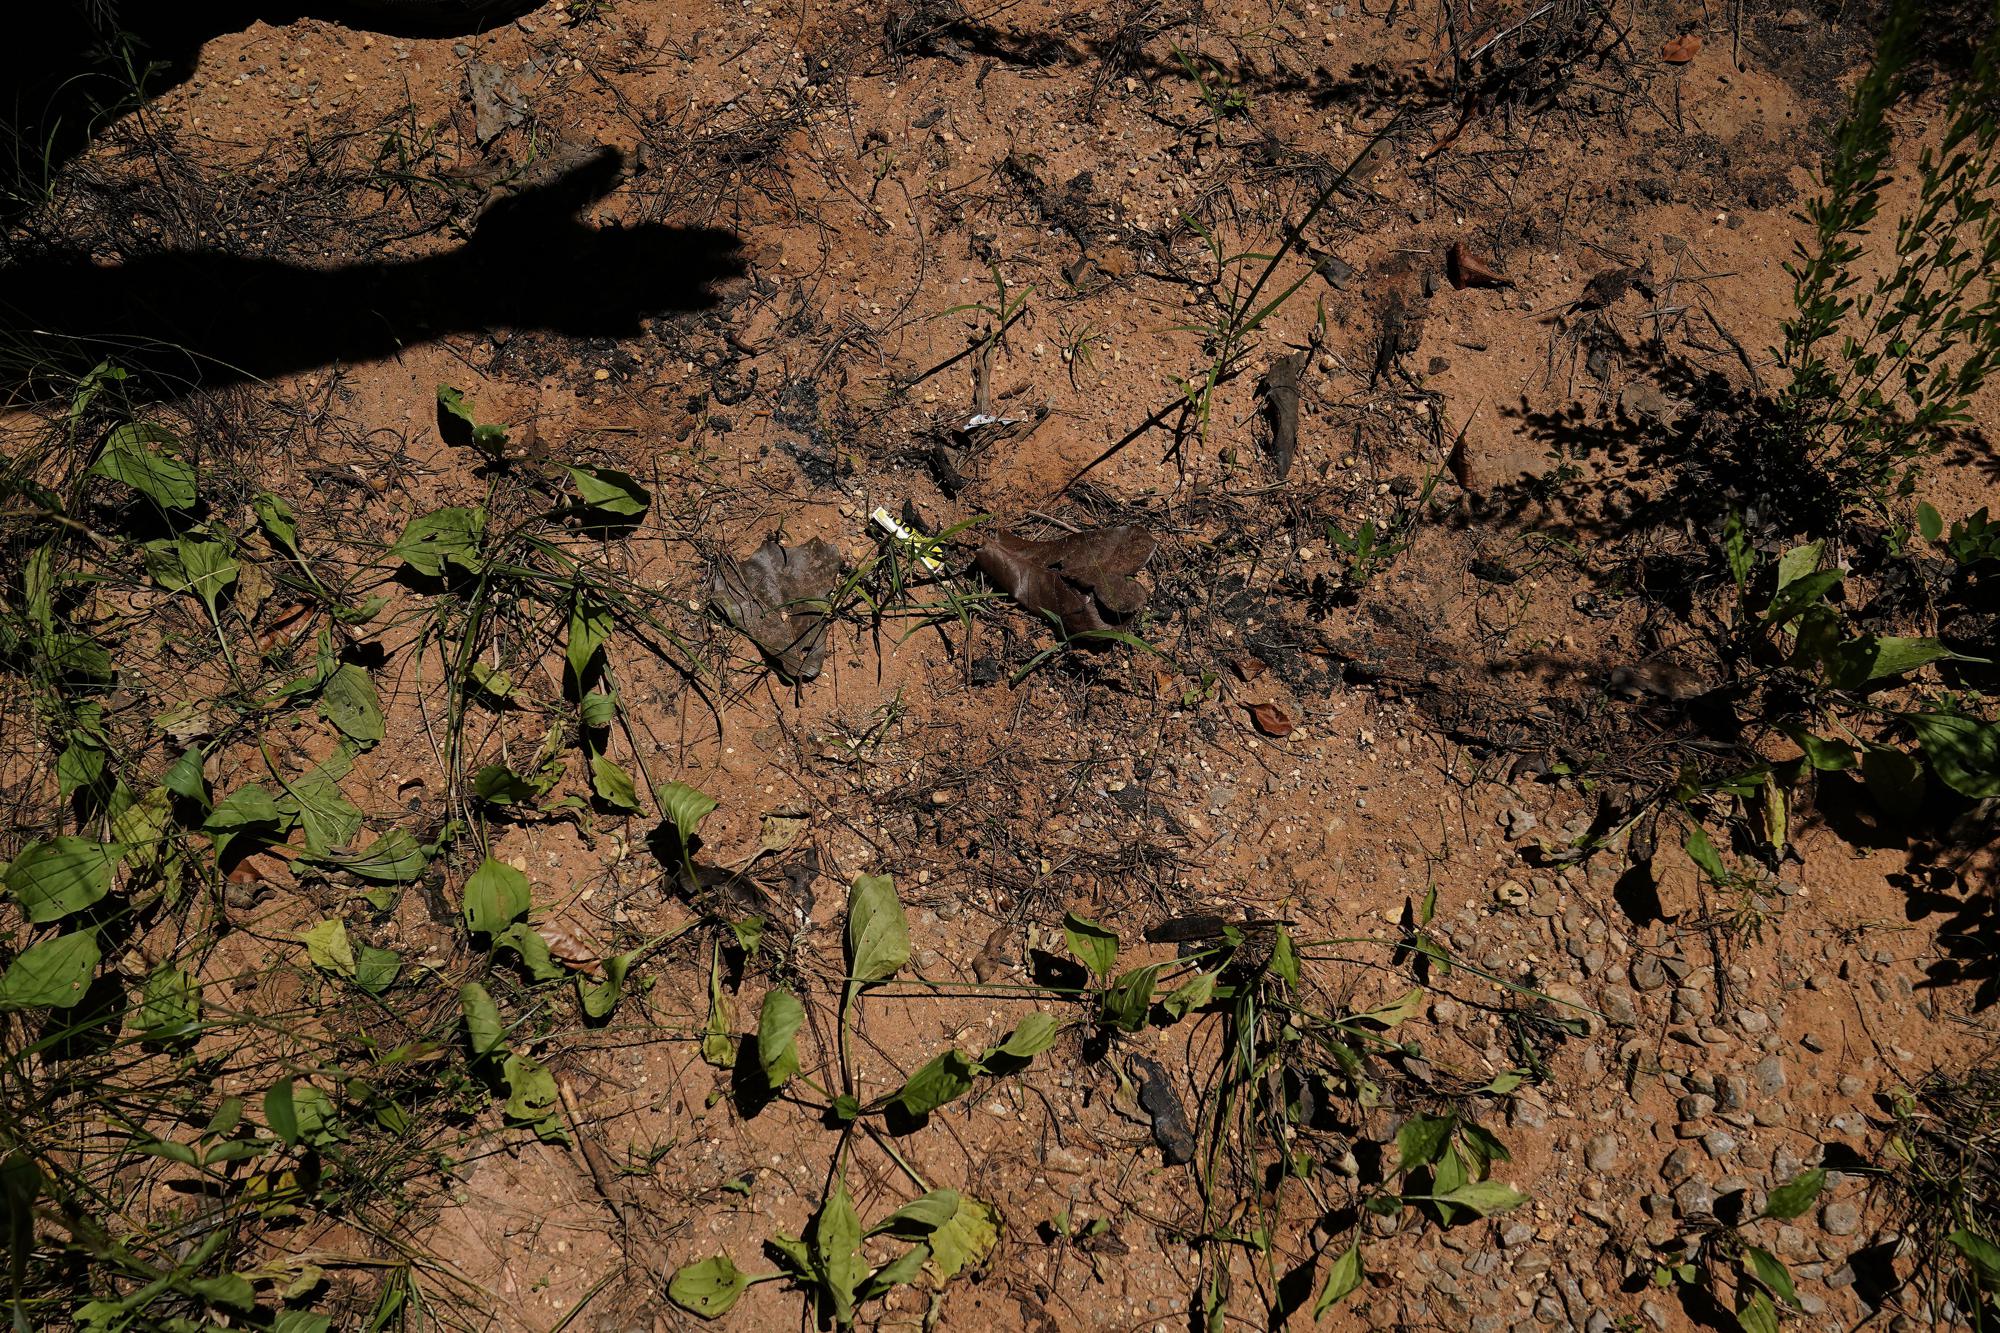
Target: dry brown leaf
(1271,720)
(777,595)
(570,950)
(992,959)
(1468,270)
(1085,579)
(1247,668)
(1681,49)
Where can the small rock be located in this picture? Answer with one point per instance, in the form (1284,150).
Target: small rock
(1734,1093)
(1696,1106)
(1851,1085)
(1517,822)
(1678,1166)
(1620,1006)
(1753,1021)
(1718,1144)
(1512,894)
(1648,973)
(1516,1234)
(1601,1153)
(1770,1074)
(1841,1217)
(1791,1241)
(1654,1313)
(1694,1199)
(1813,1044)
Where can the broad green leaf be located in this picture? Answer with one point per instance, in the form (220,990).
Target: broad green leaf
(495,897)
(613,785)
(599,709)
(191,564)
(778,1026)
(1129,1000)
(55,972)
(232,1291)
(1702,852)
(375,970)
(1033,1035)
(1095,947)
(170,1006)
(1860,661)
(919,1217)
(1481,1146)
(496,784)
(1930,523)
(316,1118)
(1422,1140)
(487,436)
(142,455)
(835,1240)
(1795,1196)
(709,1289)
(300,1321)
(1483,1197)
(393,858)
(281,1112)
(1190,995)
(610,491)
(531,1089)
(349,702)
(966,1240)
(1828,756)
(878,934)
(278,520)
(1982,1254)
(329,819)
(599,995)
(1341,1281)
(447,537)
(1771,1273)
(1963,752)
(685,807)
(492,680)
(526,941)
(52,879)
(1758,1315)
(943,1079)
(1285,958)
(184,777)
(328,947)
(484,1029)
(1796,563)
(1792,601)
(248,809)
(590,626)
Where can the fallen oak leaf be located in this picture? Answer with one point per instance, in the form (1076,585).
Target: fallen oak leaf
(1083,579)
(1272,720)
(1681,49)
(777,596)
(1468,270)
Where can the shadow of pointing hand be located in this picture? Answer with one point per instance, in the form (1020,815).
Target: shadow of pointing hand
(530,264)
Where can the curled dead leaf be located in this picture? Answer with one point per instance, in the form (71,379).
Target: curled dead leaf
(570,949)
(1272,720)
(1084,579)
(1468,270)
(1248,668)
(1681,49)
(991,960)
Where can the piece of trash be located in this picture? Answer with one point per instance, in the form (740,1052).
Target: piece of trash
(1681,49)
(920,545)
(1084,579)
(777,595)
(1271,720)
(1468,270)
(1281,404)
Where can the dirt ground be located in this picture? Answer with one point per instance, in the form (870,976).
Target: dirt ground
(776,261)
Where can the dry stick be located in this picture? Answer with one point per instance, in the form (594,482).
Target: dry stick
(1229,350)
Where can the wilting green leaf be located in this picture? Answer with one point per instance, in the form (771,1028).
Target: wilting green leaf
(55,972)
(1284,958)
(330,820)
(599,709)
(393,858)
(1871,657)
(375,970)
(1702,852)
(897,1272)
(190,564)
(495,897)
(709,1289)
(1796,563)
(1094,946)
(1828,756)
(229,1290)
(1341,1281)
(1796,1195)
(1758,1315)
(1405,1007)
(531,1089)
(835,1239)
(1129,1000)
(487,437)
(1930,523)
(718,1046)
(1982,1254)
(328,947)
(777,1036)
(349,702)
(52,879)
(1190,995)
(966,1240)
(599,995)
(590,626)
(281,1112)
(496,784)
(1894,779)
(138,454)
(1483,1197)
(1033,1035)
(1964,753)
(610,491)
(1794,598)
(526,941)
(484,1029)
(447,537)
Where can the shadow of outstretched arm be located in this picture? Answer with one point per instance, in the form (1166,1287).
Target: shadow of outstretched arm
(530,264)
